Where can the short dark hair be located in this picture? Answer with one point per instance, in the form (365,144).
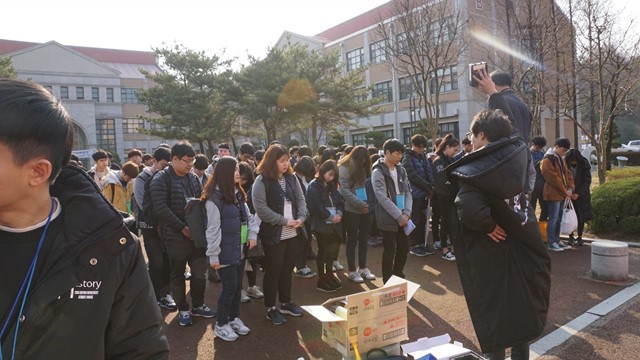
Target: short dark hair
(419,140)
(305,166)
(147,157)
(563,143)
(162,153)
(165,145)
(182,148)
(247,172)
(201,162)
(293,150)
(305,151)
(34,123)
(372,150)
(134,152)
(99,154)
(130,169)
(321,149)
(247,148)
(539,140)
(259,155)
(342,147)
(466,141)
(501,78)
(392,145)
(74,157)
(224,146)
(493,123)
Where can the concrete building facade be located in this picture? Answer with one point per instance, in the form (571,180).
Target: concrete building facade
(97,86)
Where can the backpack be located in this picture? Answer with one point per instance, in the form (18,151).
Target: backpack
(195,215)
(148,215)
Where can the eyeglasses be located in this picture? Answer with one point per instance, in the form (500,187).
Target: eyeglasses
(469,135)
(188,162)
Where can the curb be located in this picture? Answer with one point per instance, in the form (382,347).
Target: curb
(566,331)
(631,244)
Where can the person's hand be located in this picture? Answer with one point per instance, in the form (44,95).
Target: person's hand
(498,234)
(336,218)
(575,197)
(570,193)
(252,243)
(366,208)
(294,223)
(186,232)
(405,219)
(215,265)
(485,84)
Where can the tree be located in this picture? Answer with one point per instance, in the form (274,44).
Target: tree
(194,97)
(6,68)
(608,64)
(424,41)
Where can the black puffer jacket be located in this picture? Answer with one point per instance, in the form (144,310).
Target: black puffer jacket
(506,284)
(171,215)
(95,253)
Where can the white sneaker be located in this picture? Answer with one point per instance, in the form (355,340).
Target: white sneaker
(225,332)
(254,292)
(337,266)
(238,326)
(244,297)
(355,277)
(366,274)
(449,256)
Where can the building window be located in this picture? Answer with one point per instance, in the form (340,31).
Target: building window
(106,134)
(441,31)
(355,59)
(388,134)
(407,133)
(407,88)
(79,93)
(109,94)
(64,92)
(129,96)
(446,128)
(383,90)
(95,94)
(358,139)
(378,52)
(130,126)
(49,88)
(448,78)
(402,44)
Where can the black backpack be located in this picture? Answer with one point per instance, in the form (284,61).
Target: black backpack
(148,215)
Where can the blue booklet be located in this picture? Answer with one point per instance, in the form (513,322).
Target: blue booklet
(361,193)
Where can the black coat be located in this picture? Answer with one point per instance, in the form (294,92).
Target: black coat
(506,284)
(170,209)
(582,181)
(121,319)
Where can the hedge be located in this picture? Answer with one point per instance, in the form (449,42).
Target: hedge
(616,173)
(616,206)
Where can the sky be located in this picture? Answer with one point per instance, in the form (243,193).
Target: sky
(236,26)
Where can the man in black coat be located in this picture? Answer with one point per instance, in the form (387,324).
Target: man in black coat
(74,280)
(503,264)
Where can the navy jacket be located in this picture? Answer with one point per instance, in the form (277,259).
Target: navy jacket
(319,198)
(231,218)
(419,172)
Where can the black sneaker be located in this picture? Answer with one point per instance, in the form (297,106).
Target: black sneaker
(290,309)
(324,285)
(418,251)
(275,317)
(168,303)
(580,242)
(333,280)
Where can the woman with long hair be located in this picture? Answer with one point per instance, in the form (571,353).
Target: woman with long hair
(326,207)
(581,171)
(355,169)
(279,203)
(230,227)
(446,194)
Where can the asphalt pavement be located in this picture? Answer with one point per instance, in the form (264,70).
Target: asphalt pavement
(587,318)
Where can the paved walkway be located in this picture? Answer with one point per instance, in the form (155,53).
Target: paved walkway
(585,316)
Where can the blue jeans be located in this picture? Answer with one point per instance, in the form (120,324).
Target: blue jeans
(358,227)
(229,300)
(555,218)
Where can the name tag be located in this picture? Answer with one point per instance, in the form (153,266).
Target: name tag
(400,201)
(288,210)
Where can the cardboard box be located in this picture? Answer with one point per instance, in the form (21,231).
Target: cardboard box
(375,318)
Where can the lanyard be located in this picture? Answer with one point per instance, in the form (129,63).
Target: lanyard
(27,282)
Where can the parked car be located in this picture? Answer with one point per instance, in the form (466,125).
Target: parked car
(633,145)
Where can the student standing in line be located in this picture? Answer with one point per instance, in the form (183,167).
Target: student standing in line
(278,201)
(394,203)
(246,182)
(230,228)
(581,171)
(355,169)
(305,171)
(446,194)
(326,207)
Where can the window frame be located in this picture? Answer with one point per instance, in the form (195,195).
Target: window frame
(378,52)
(378,91)
(64,92)
(110,92)
(351,59)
